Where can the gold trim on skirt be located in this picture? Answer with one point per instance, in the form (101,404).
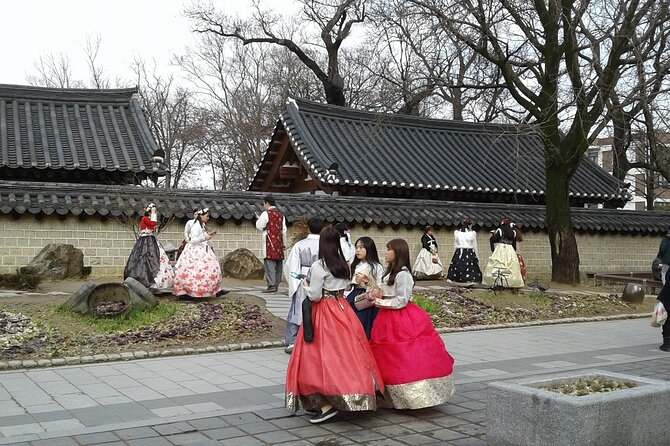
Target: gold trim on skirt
(420,394)
(351,403)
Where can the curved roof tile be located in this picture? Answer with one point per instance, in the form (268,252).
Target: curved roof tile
(90,199)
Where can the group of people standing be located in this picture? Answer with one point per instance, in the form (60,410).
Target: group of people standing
(360,341)
(505,267)
(355,337)
(197,273)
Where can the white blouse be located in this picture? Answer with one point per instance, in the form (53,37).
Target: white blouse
(366,269)
(399,294)
(197,233)
(465,240)
(321,279)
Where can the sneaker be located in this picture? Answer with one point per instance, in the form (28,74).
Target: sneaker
(289,349)
(323,416)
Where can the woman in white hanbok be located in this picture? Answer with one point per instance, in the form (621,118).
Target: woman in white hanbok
(428,264)
(502,269)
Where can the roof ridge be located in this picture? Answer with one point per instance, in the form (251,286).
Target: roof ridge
(50,94)
(397,119)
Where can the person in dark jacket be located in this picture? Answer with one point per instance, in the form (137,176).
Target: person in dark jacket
(664,255)
(664,297)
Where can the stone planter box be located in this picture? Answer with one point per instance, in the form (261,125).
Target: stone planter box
(520,413)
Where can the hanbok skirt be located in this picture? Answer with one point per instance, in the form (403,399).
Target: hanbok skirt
(415,365)
(337,367)
(464,267)
(149,264)
(197,273)
(502,269)
(424,267)
(366,315)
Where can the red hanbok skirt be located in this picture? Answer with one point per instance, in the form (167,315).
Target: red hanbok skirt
(337,367)
(415,365)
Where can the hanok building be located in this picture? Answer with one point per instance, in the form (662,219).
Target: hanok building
(72,161)
(336,150)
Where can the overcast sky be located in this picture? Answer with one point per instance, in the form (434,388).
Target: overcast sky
(151,29)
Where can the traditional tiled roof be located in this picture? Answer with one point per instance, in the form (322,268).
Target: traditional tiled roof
(385,155)
(113,201)
(73,134)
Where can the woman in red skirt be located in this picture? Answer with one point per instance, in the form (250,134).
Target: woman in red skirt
(336,370)
(415,365)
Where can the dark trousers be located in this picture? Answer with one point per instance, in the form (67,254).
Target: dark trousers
(273,271)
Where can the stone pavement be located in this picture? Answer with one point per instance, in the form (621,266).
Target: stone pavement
(236,397)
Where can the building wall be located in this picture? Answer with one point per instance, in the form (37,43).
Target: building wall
(107,243)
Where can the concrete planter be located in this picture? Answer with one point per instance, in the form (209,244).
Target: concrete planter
(520,413)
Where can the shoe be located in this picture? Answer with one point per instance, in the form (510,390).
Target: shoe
(323,416)
(222,293)
(288,349)
(270,289)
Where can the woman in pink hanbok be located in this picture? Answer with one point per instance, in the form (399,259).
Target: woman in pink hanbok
(198,273)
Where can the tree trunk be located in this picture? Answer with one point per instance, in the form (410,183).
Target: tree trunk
(564,253)
(334,89)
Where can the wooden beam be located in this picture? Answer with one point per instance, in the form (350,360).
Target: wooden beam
(291,173)
(278,161)
(305,186)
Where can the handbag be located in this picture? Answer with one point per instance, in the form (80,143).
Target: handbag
(363,303)
(659,315)
(307,323)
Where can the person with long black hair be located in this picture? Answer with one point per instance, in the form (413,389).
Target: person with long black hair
(336,369)
(367,273)
(502,269)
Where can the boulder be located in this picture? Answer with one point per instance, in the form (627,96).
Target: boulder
(57,261)
(242,264)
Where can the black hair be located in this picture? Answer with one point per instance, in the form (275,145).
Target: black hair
(315,225)
(330,251)
(341,227)
(372,256)
(507,230)
(269,199)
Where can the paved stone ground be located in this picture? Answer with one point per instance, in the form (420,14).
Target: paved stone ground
(236,398)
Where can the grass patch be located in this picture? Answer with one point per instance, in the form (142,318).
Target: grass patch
(133,319)
(427,304)
(20,281)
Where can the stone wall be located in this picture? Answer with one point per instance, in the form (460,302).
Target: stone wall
(107,243)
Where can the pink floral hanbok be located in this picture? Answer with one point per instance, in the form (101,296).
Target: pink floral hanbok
(197,273)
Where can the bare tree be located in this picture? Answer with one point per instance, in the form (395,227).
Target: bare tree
(175,121)
(561,61)
(91,46)
(333,18)
(243,89)
(54,71)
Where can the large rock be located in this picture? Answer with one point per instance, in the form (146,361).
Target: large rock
(242,264)
(131,292)
(57,261)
